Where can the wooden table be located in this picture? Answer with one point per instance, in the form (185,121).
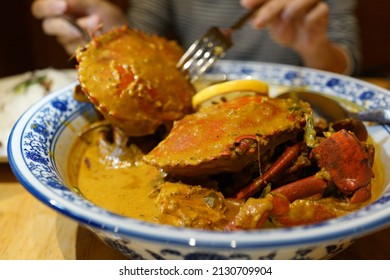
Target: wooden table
(31,230)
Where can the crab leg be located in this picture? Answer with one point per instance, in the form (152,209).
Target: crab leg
(288,156)
(255,212)
(303,188)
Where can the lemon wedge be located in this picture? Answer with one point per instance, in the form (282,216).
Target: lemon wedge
(228,90)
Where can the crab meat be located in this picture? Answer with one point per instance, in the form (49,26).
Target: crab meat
(185,205)
(227,137)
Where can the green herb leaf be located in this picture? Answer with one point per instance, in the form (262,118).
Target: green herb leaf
(23,86)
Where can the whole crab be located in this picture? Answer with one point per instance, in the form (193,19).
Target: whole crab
(228,136)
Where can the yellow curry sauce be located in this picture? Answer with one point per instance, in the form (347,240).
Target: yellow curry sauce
(131,189)
(125,189)
(134,189)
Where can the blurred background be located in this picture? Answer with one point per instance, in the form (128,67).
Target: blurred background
(24,47)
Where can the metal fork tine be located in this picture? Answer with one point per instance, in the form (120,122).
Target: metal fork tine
(86,37)
(196,49)
(199,62)
(205,51)
(208,57)
(187,55)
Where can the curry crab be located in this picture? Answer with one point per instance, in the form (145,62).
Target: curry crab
(264,145)
(293,161)
(228,136)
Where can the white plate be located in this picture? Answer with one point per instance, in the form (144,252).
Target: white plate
(19,92)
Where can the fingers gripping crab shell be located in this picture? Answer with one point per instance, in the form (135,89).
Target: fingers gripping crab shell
(132,79)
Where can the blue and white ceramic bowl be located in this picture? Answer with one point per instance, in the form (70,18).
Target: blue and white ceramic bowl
(41,140)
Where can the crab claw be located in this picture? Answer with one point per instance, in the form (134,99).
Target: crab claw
(354,125)
(348,164)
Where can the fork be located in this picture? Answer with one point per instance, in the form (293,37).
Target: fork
(210,47)
(73,22)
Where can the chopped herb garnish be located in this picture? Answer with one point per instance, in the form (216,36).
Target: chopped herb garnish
(40,80)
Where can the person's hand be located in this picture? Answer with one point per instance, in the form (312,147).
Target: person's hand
(93,15)
(294,23)
(301,25)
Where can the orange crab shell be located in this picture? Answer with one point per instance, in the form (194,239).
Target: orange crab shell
(132,79)
(227,137)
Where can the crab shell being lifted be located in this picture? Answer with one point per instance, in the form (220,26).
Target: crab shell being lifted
(132,79)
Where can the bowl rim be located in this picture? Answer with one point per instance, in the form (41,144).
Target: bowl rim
(360,222)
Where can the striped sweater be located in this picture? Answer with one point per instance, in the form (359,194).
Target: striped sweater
(187,20)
